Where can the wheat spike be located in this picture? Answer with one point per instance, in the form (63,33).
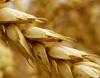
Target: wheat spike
(56,61)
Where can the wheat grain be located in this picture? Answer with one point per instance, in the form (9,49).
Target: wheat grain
(56,61)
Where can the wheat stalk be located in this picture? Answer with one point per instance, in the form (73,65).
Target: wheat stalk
(56,60)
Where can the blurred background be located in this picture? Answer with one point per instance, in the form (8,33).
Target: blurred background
(79,19)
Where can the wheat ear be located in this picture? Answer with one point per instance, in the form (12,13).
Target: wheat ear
(56,60)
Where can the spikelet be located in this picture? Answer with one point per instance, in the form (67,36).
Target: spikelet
(40,54)
(82,71)
(8,15)
(18,40)
(62,52)
(64,70)
(90,64)
(43,35)
(91,57)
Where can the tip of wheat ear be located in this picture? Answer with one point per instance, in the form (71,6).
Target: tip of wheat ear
(8,15)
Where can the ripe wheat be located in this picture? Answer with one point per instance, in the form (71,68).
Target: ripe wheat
(57,61)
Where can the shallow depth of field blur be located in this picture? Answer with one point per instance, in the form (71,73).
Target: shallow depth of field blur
(79,19)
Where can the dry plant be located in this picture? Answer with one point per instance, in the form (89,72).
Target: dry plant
(75,18)
(43,49)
